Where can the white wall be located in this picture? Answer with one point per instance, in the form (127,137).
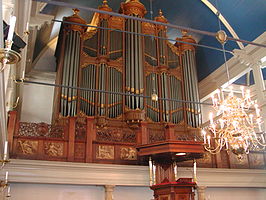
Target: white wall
(235,193)
(24,191)
(37,104)
(133,193)
(27,191)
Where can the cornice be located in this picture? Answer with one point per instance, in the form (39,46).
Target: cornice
(54,172)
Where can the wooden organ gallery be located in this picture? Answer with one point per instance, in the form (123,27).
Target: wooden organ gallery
(106,127)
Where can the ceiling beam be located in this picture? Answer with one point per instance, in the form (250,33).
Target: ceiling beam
(236,67)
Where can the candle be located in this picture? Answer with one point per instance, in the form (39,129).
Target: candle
(211,117)
(195,171)
(257,110)
(248,94)
(154,174)
(175,170)
(204,136)
(5,150)
(150,167)
(8,191)
(6,179)
(226,144)
(11,28)
(209,140)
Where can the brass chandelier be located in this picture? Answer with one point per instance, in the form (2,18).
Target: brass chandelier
(237,128)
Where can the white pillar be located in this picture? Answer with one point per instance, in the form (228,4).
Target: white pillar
(259,82)
(260,89)
(109,189)
(201,192)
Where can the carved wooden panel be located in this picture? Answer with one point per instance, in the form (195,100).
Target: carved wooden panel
(156,135)
(116,135)
(40,130)
(27,147)
(105,152)
(54,149)
(79,151)
(128,153)
(80,132)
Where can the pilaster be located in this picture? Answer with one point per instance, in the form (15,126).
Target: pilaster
(109,189)
(201,192)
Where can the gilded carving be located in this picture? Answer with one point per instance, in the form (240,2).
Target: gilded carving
(27,147)
(116,135)
(105,152)
(148,28)
(81,129)
(156,135)
(128,153)
(54,149)
(40,130)
(173,48)
(116,22)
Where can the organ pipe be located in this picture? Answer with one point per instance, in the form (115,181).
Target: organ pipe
(126,62)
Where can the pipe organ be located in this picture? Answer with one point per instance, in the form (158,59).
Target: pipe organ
(118,58)
(108,120)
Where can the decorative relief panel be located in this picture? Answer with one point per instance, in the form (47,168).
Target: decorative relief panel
(105,152)
(81,129)
(54,149)
(27,147)
(79,151)
(116,135)
(156,135)
(116,22)
(40,130)
(256,160)
(128,153)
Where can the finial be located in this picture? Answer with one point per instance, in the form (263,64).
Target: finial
(160,13)
(184,32)
(105,2)
(75,10)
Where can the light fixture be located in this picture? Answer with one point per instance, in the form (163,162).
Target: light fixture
(7,55)
(180,154)
(237,128)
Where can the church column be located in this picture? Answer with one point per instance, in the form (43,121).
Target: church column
(255,65)
(260,88)
(109,189)
(201,192)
